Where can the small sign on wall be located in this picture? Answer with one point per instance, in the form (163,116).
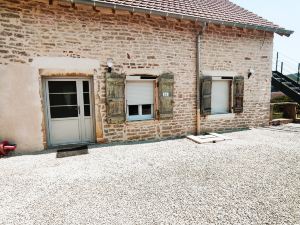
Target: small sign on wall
(165,94)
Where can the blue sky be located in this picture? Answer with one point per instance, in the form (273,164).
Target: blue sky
(284,13)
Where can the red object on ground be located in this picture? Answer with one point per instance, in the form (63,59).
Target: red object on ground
(5,147)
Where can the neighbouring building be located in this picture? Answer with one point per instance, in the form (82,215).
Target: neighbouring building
(116,71)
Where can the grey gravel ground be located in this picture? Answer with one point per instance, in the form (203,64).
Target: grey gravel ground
(253,179)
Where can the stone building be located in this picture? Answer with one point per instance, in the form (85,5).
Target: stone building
(116,71)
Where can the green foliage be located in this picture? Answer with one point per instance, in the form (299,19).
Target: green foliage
(278,109)
(283,98)
(277,115)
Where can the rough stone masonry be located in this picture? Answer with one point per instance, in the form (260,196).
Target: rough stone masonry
(30,29)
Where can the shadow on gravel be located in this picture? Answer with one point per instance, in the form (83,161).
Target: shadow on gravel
(90,146)
(42,152)
(132,142)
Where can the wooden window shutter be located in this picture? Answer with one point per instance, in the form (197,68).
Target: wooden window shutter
(165,96)
(205,93)
(238,94)
(115,97)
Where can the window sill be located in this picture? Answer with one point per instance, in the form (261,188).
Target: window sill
(138,120)
(146,121)
(139,117)
(221,116)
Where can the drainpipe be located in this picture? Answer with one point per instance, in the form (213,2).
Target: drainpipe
(198,71)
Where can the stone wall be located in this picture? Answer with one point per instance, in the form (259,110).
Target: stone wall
(30,29)
(238,50)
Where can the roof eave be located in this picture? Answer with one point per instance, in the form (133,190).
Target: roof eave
(280,31)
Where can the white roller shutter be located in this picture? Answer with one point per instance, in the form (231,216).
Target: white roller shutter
(220,97)
(139,92)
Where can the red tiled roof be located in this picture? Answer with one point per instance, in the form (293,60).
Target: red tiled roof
(214,11)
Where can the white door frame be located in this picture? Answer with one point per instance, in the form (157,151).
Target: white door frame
(47,108)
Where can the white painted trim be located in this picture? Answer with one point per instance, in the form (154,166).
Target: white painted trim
(221,116)
(66,63)
(140,116)
(219,73)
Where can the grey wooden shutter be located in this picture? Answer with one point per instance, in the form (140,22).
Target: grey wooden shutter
(238,94)
(165,95)
(115,97)
(205,93)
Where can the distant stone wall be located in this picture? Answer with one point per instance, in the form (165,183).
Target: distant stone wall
(138,43)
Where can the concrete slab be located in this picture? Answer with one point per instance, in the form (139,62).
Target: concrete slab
(209,138)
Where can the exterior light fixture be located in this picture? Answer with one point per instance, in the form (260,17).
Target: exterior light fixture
(110,64)
(251,72)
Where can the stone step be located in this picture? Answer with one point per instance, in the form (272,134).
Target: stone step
(287,83)
(295,88)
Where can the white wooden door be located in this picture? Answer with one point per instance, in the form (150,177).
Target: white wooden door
(69,109)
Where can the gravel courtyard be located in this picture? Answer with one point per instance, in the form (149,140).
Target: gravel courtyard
(253,179)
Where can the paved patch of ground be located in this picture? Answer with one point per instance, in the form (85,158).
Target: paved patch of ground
(253,179)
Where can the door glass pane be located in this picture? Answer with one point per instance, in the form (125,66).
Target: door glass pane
(63,112)
(87,110)
(86,98)
(62,86)
(63,99)
(146,109)
(133,110)
(85,86)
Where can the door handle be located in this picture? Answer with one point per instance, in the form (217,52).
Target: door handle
(78,109)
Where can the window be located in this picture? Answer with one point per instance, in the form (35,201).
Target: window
(137,97)
(140,99)
(220,97)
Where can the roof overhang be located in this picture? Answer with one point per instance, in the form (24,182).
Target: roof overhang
(99,3)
